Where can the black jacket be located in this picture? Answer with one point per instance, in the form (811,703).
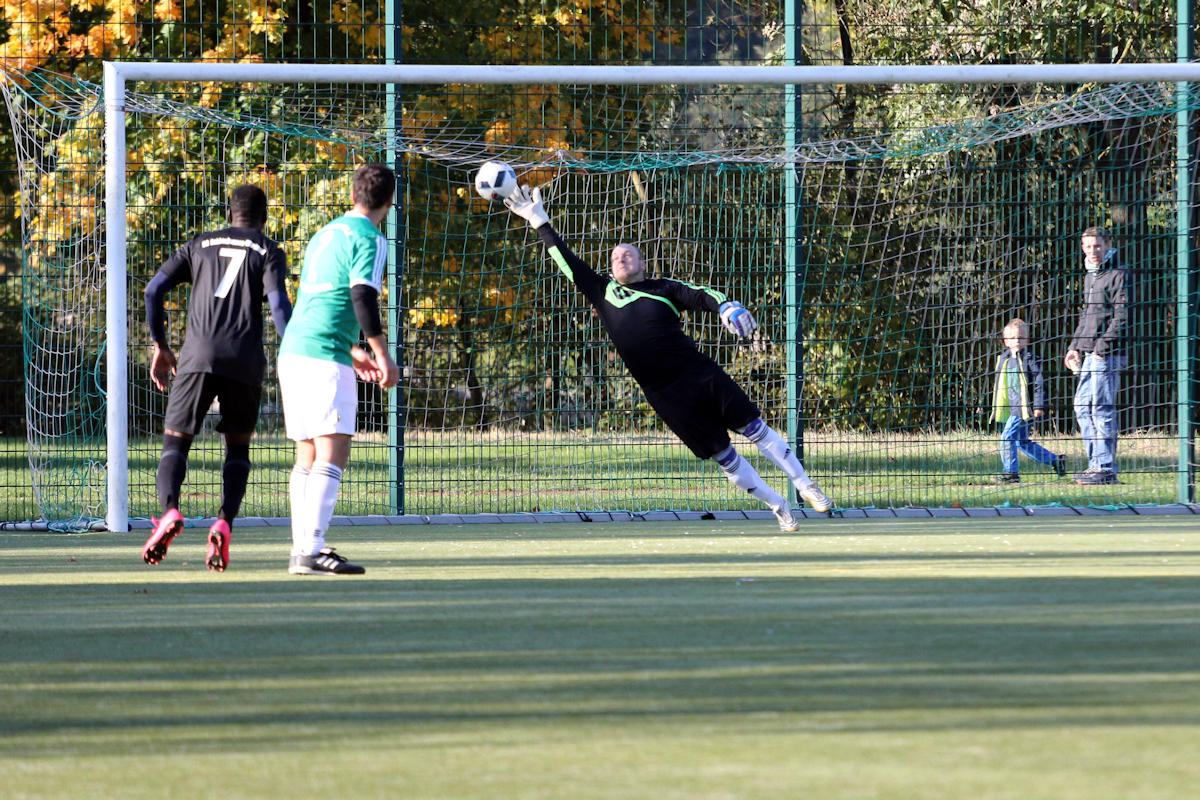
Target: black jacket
(1104,321)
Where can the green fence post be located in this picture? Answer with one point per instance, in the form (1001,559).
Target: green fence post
(1185,44)
(793,243)
(393,31)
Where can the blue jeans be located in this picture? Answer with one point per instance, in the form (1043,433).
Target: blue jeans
(1096,409)
(1016,437)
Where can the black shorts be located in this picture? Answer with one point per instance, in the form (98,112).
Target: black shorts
(192,393)
(701,408)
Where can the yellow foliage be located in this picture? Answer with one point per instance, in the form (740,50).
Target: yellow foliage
(41,32)
(539,176)
(428,311)
(128,33)
(498,297)
(76,46)
(360,28)
(447,318)
(335,152)
(267,20)
(122,11)
(499,133)
(97,43)
(209,93)
(168,10)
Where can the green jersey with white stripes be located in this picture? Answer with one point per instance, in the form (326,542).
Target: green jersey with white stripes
(347,252)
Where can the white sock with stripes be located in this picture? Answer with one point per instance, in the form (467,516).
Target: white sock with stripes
(320,496)
(741,473)
(296,487)
(774,447)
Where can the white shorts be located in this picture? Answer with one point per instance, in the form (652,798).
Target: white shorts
(319,397)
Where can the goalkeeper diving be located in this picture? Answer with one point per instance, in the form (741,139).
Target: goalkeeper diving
(692,394)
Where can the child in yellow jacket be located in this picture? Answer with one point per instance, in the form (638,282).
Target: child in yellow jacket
(1020,396)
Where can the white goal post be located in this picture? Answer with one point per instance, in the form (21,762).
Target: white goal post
(118,74)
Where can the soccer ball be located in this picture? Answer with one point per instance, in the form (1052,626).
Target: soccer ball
(495,179)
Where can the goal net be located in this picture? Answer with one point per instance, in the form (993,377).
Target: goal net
(882,233)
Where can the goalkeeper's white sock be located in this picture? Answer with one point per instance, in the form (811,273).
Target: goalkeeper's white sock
(742,475)
(774,447)
(296,487)
(321,491)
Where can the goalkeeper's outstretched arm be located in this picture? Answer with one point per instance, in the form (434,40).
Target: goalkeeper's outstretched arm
(526,203)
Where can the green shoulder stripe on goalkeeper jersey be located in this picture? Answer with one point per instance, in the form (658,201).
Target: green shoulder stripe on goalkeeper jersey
(619,296)
(615,294)
(708,290)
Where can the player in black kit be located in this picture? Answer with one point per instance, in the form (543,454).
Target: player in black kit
(693,395)
(232,272)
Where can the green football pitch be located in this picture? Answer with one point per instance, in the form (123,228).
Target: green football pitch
(1030,658)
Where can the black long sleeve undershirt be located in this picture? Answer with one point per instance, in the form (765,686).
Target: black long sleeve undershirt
(366,309)
(156,315)
(281,309)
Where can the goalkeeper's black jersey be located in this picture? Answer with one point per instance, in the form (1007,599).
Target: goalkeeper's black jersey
(231,272)
(642,318)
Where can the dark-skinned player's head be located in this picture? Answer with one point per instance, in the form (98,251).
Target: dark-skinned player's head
(374,186)
(248,207)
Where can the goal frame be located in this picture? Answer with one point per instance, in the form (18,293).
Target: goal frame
(118,74)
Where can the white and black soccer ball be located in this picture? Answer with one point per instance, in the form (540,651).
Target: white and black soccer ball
(495,180)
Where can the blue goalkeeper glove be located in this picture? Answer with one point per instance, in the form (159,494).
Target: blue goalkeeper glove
(736,319)
(527,204)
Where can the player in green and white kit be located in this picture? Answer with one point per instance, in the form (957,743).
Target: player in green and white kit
(339,291)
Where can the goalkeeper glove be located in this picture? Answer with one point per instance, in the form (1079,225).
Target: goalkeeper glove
(736,319)
(527,204)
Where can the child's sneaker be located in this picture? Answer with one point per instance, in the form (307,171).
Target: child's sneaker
(165,529)
(218,546)
(816,498)
(1007,477)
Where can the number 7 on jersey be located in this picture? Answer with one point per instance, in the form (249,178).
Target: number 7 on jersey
(237,257)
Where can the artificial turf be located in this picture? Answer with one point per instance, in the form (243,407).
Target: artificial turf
(1027,658)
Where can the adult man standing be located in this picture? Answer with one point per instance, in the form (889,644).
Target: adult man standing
(231,271)
(1097,355)
(340,284)
(696,399)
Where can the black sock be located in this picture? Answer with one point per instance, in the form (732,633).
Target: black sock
(172,467)
(234,476)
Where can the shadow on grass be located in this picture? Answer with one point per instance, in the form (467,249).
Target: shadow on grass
(289,660)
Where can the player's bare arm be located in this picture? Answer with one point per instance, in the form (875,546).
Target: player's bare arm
(162,366)
(364,365)
(389,372)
